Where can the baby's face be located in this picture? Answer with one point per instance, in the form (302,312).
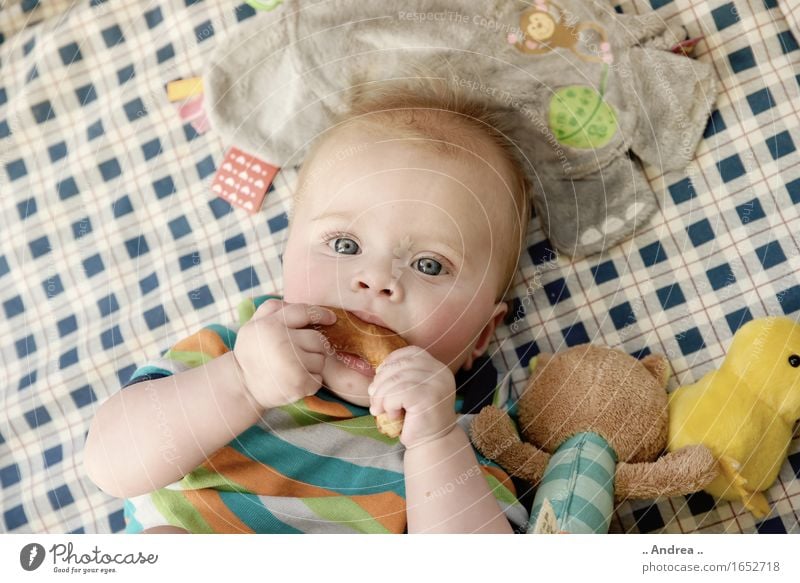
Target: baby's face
(404,234)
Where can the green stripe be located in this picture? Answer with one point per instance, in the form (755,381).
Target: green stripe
(500,491)
(496,397)
(302,415)
(362,426)
(246,310)
(326,472)
(191,359)
(248,307)
(252,512)
(202,477)
(327,396)
(365,427)
(343,510)
(178,511)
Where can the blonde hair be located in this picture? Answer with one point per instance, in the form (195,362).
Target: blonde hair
(450,122)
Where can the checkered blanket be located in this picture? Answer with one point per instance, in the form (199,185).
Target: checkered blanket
(114,246)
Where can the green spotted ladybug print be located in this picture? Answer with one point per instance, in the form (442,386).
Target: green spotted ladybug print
(580,118)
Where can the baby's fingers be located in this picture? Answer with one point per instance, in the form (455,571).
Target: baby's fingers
(304,315)
(310,341)
(268,308)
(390,397)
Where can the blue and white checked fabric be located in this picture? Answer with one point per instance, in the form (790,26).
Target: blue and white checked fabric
(113,246)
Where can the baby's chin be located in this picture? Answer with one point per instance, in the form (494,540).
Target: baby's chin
(346,383)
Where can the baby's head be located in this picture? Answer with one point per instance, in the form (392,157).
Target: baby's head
(412,209)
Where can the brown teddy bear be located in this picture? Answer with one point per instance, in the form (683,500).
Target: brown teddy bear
(595,423)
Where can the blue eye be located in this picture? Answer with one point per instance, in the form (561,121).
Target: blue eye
(428,266)
(345,246)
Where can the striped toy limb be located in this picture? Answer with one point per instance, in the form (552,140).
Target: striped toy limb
(576,494)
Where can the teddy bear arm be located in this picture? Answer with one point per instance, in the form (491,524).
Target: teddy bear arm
(493,434)
(685,471)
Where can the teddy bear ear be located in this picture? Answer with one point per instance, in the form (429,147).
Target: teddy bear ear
(658,366)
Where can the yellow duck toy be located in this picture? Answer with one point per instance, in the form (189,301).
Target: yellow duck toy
(744,412)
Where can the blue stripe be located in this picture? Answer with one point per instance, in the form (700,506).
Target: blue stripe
(254,514)
(582,467)
(227,336)
(147,373)
(564,469)
(579,508)
(322,471)
(132,526)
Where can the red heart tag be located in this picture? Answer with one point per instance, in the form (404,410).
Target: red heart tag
(243,180)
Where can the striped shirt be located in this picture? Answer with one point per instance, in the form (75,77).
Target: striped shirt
(318,465)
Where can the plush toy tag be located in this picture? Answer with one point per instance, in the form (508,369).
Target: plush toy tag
(546,522)
(193,112)
(686,47)
(181,89)
(243,180)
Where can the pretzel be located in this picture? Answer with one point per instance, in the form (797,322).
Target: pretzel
(371,342)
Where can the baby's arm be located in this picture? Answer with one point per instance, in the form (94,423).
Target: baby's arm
(152,433)
(446,491)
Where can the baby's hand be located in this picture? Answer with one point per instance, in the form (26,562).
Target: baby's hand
(410,379)
(282,363)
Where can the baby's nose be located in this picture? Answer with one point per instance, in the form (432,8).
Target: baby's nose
(386,290)
(363,283)
(379,282)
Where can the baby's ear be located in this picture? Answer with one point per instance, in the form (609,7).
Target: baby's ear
(485,336)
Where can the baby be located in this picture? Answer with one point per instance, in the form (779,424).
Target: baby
(410,212)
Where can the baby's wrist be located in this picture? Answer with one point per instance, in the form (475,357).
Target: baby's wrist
(242,386)
(447,438)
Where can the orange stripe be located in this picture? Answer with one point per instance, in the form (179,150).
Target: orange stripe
(317,405)
(219,517)
(259,478)
(386,507)
(205,341)
(502,477)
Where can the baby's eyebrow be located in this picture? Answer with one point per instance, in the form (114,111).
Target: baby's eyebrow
(342,216)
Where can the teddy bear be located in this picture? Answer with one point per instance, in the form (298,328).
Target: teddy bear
(595,422)
(592,93)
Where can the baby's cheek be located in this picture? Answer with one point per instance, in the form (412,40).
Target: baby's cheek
(305,280)
(444,333)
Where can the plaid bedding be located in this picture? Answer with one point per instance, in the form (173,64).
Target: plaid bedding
(114,247)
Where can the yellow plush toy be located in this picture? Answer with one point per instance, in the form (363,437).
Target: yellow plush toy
(745,411)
